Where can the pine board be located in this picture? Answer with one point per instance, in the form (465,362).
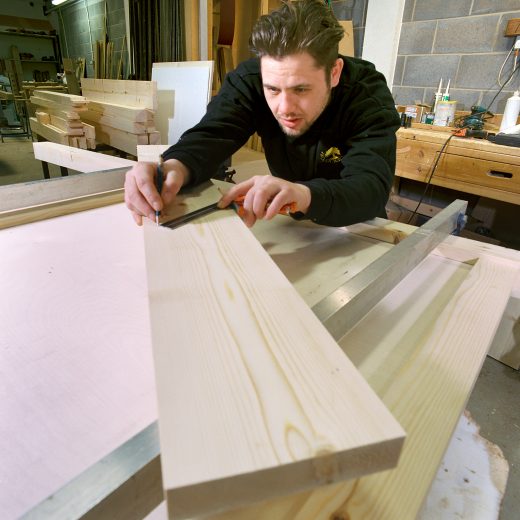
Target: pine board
(139,115)
(138,94)
(421,350)
(239,355)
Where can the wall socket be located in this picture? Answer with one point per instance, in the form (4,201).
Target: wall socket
(513,27)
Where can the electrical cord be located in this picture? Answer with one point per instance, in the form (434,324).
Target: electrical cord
(445,144)
(515,48)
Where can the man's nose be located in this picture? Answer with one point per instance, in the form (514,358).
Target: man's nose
(286,105)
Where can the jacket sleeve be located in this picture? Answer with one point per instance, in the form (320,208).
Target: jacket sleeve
(226,126)
(368,166)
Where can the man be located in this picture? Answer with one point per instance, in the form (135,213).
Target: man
(327,125)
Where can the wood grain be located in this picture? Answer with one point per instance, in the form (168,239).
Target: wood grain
(421,349)
(256,400)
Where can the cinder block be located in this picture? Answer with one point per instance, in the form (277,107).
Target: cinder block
(398,71)
(117,31)
(426,71)
(408,10)
(407,95)
(499,104)
(115,5)
(479,71)
(494,6)
(342,9)
(438,9)
(97,8)
(84,50)
(504,43)
(465,98)
(417,37)
(471,34)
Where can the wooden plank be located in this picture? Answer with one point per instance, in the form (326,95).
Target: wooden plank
(55,105)
(71,127)
(94,180)
(259,387)
(57,209)
(51,133)
(118,138)
(423,365)
(43,118)
(138,94)
(70,73)
(63,99)
(111,109)
(121,123)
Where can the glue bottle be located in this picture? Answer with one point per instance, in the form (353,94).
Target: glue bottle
(511,112)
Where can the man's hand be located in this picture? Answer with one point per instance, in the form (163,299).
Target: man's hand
(263,189)
(141,195)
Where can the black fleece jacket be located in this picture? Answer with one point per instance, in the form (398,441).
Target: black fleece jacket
(346,158)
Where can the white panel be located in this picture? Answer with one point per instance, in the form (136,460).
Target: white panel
(190,81)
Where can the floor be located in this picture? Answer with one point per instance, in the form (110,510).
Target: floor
(494,403)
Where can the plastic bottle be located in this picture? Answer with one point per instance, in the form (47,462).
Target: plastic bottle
(511,112)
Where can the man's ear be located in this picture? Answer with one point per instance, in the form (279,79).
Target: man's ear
(335,73)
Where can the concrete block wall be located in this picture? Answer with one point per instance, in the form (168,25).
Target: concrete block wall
(462,40)
(81,24)
(355,10)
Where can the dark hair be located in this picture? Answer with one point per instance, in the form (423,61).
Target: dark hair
(302,26)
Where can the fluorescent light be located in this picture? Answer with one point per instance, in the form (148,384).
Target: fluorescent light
(58,2)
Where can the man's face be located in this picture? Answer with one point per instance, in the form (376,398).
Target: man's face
(296,90)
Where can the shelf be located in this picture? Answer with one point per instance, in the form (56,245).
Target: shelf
(38,61)
(14,33)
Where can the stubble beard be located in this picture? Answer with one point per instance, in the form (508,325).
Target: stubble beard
(298,132)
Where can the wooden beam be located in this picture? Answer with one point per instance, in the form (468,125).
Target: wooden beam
(123,111)
(138,94)
(243,370)
(51,133)
(79,160)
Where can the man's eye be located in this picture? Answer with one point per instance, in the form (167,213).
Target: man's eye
(300,90)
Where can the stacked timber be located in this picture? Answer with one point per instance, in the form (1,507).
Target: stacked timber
(58,119)
(122,112)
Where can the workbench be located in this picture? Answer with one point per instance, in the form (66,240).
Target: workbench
(78,404)
(469,165)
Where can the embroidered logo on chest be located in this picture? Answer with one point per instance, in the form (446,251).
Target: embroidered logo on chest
(332,155)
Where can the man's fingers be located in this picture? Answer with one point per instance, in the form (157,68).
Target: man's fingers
(235,192)
(148,191)
(276,205)
(134,199)
(138,218)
